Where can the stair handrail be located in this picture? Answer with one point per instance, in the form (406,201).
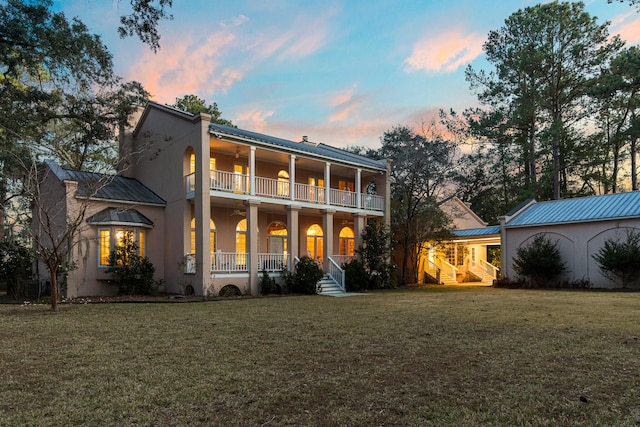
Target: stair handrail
(491,269)
(336,273)
(435,267)
(446,268)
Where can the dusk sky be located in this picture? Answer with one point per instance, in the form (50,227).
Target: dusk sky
(341,72)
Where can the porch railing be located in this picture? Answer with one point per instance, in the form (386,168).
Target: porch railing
(229,262)
(272,262)
(232,182)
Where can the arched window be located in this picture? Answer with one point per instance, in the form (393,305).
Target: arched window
(192,164)
(277,238)
(315,242)
(283,184)
(347,243)
(212,236)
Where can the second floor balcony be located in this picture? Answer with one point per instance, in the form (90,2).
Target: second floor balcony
(277,189)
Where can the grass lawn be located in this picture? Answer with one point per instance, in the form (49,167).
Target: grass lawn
(433,356)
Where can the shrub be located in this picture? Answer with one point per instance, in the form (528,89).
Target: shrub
(540,261)
(306,276)
(356,276)
(505,282)
(132,272)
(15,266)
(375,254)
(620,260)
(268,284)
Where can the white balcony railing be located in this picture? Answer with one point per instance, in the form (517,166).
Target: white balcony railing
(229,262)
(232,182)
(272,262)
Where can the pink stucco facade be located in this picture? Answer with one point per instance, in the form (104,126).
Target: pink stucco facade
(266,201)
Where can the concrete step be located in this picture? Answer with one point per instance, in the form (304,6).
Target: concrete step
(329,287)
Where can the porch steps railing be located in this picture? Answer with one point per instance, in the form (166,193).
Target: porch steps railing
(443,272)
(485,271)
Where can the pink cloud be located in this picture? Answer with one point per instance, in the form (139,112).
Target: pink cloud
(446,51)
(628,27)
(187,65)
(253,119)
(346,106)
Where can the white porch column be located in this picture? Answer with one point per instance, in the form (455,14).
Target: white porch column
(327,183)
(358,188)
(387,196)
(292,177)
(358,228)
(202,214)
(252,171)
(327,230)
(252,246)
(293,237)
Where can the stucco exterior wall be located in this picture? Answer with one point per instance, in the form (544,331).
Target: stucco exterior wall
(577,242)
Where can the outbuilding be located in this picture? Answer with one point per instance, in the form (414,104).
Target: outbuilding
(578,226)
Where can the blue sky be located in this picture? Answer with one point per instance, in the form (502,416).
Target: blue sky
(341,72)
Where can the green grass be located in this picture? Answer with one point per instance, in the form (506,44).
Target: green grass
(435,356)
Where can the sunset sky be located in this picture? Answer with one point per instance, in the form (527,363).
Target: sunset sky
(341,72)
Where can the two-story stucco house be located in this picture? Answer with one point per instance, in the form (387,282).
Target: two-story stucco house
(214,205)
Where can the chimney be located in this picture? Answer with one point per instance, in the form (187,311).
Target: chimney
(305,139)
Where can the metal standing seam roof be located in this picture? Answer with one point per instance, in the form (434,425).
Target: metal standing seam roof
(119,216)
(108,187)
(583,209)
(318,150)
(477,232)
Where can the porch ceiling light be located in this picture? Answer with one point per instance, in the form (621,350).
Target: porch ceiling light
(237,152)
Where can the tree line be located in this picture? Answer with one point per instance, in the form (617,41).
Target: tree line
(558,116)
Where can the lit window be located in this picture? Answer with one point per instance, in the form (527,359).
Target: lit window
(141,244)
(315,243)
(283,183)
(347,243)
(105,247)
(212,236)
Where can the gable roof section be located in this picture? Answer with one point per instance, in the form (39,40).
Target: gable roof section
(583,209)
(320,150)
(116,216)
(97,186)
(477,232)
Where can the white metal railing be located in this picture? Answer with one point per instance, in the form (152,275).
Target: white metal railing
(269,187)
(190,182)
(372,202)
(272,262)
(490,269)
(446,268)
(336,273)
(342,259)
(190,264)
(229,262)
(232,182)
(343,198)
(229,181)
(309,193)
(432,269)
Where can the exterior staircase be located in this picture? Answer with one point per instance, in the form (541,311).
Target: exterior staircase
(329,287)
